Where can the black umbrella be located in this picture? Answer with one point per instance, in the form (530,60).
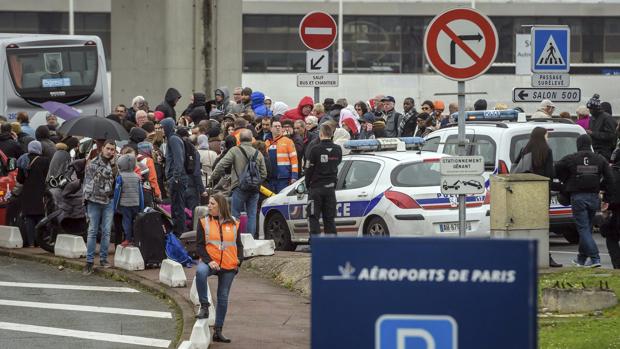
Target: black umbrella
(95,127)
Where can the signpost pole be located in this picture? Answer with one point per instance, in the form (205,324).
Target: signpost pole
(317,96)
(462,152)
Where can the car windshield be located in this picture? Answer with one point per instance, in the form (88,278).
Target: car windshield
(561,144)
(416,174)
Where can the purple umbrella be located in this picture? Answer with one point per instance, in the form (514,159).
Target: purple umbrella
(61,110)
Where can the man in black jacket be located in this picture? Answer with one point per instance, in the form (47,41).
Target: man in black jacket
(170,101)
(581,174)
(321,178)
(602,128)
(8,144)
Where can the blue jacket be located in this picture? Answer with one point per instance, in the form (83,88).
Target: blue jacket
(175,152)
(258,105)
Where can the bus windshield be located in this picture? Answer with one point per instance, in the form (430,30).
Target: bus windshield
(62,73)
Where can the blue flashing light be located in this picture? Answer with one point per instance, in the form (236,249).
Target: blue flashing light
(488,115)
(380,144)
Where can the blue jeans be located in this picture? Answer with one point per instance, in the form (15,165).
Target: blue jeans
(100,218)
(224,281)
(129,213)
(248,202)
(584,207)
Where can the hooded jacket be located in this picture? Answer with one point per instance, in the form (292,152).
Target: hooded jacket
(128,188)
(603,135)
(197,110)
(175,153)
(9,146)
(32,176)
(279,108)
(226,105)
(581,172)
(170,100)
(43,135)
(258,105)
(136,135)
(296,114)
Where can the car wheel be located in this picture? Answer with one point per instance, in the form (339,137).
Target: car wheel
(276,229)
(377,227)
(571,235)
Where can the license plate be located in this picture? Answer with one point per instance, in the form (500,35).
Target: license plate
(453,227)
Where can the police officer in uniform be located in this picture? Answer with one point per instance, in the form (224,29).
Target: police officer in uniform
(321,177)
(581,173)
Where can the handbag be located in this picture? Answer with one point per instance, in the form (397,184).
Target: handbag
(524,165)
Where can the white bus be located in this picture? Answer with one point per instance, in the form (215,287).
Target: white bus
(37,68)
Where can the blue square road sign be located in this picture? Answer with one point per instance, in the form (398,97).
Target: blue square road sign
(551,49)
(416,331)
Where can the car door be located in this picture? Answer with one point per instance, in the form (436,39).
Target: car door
(297,205)
(354,193)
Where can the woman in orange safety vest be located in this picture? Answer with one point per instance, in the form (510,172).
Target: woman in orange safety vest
(218,244)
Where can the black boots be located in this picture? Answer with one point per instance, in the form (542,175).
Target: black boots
(219,337)
(204,311)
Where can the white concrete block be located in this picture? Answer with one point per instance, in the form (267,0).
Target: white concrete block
(193,296)
(201,335)
(252,247)
(10,237)
(185,345)
(69,246)
(128,258)
(172,274)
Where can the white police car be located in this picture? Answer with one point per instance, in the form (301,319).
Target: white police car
(379,192)
(499,137)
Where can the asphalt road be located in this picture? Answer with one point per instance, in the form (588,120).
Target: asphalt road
(43,307)
(564,252)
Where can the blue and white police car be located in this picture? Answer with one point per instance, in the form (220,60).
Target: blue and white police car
(499,137)
(383,189)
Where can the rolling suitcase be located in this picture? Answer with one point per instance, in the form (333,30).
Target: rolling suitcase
(149,231)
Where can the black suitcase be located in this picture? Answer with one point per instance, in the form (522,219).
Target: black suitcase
(149,231)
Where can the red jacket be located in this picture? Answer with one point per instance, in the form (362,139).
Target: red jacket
(295,114)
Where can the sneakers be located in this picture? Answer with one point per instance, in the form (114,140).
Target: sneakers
(88,269)
(594,263)
(105,264)
(578,263)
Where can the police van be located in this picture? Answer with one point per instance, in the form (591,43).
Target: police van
(499,137)
(385,188)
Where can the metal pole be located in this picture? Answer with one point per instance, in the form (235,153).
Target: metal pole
(462,152)
(317,96)
(473,4)
(71,21)
(340,36)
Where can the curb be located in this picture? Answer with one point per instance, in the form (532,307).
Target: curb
(184,313)
(288,271)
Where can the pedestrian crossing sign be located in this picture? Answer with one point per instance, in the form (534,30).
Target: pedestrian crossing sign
(551,49)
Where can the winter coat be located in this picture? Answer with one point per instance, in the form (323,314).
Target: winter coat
(258,105)
(99,181)
(170,100)
(283,157)
(237,161)
(392,123)
(59,164)
(26,128)
(603,135)
(128,188)
(226,105)
(23,139)
(175,153)
(9,146)
(200,100)
(33,180)
(296,114)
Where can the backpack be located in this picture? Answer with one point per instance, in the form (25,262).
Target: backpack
(176,251)
(250,180)
(190,156)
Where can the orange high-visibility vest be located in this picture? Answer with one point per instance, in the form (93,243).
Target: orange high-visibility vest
(221,242)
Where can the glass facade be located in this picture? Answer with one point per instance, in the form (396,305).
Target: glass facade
(394,44)
(58,23)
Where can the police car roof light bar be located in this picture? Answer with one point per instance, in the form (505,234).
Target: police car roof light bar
(489,115)
(383,144)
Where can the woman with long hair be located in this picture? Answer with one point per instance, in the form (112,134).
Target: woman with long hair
(218,244)
(542,162)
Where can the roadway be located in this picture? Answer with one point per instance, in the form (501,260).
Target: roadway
(564,252)
(44,307)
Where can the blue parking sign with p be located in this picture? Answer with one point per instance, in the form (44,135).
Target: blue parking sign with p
(551,49)
(416,331)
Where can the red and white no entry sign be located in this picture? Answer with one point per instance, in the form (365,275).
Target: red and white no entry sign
(461,44)
(317,30)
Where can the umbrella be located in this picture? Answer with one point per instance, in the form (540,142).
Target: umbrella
(61,110)
(95,127)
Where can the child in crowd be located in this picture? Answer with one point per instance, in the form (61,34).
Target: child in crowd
(128,195)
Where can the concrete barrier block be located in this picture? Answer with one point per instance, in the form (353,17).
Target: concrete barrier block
(172,274)
(128,258)
(193,296)
(10,237)
(252,247)
(69,246)
(201,334)
(185,345)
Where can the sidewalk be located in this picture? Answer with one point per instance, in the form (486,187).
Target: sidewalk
(260,313)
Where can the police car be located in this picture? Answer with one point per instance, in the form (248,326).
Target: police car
(499,137)
(385,188)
